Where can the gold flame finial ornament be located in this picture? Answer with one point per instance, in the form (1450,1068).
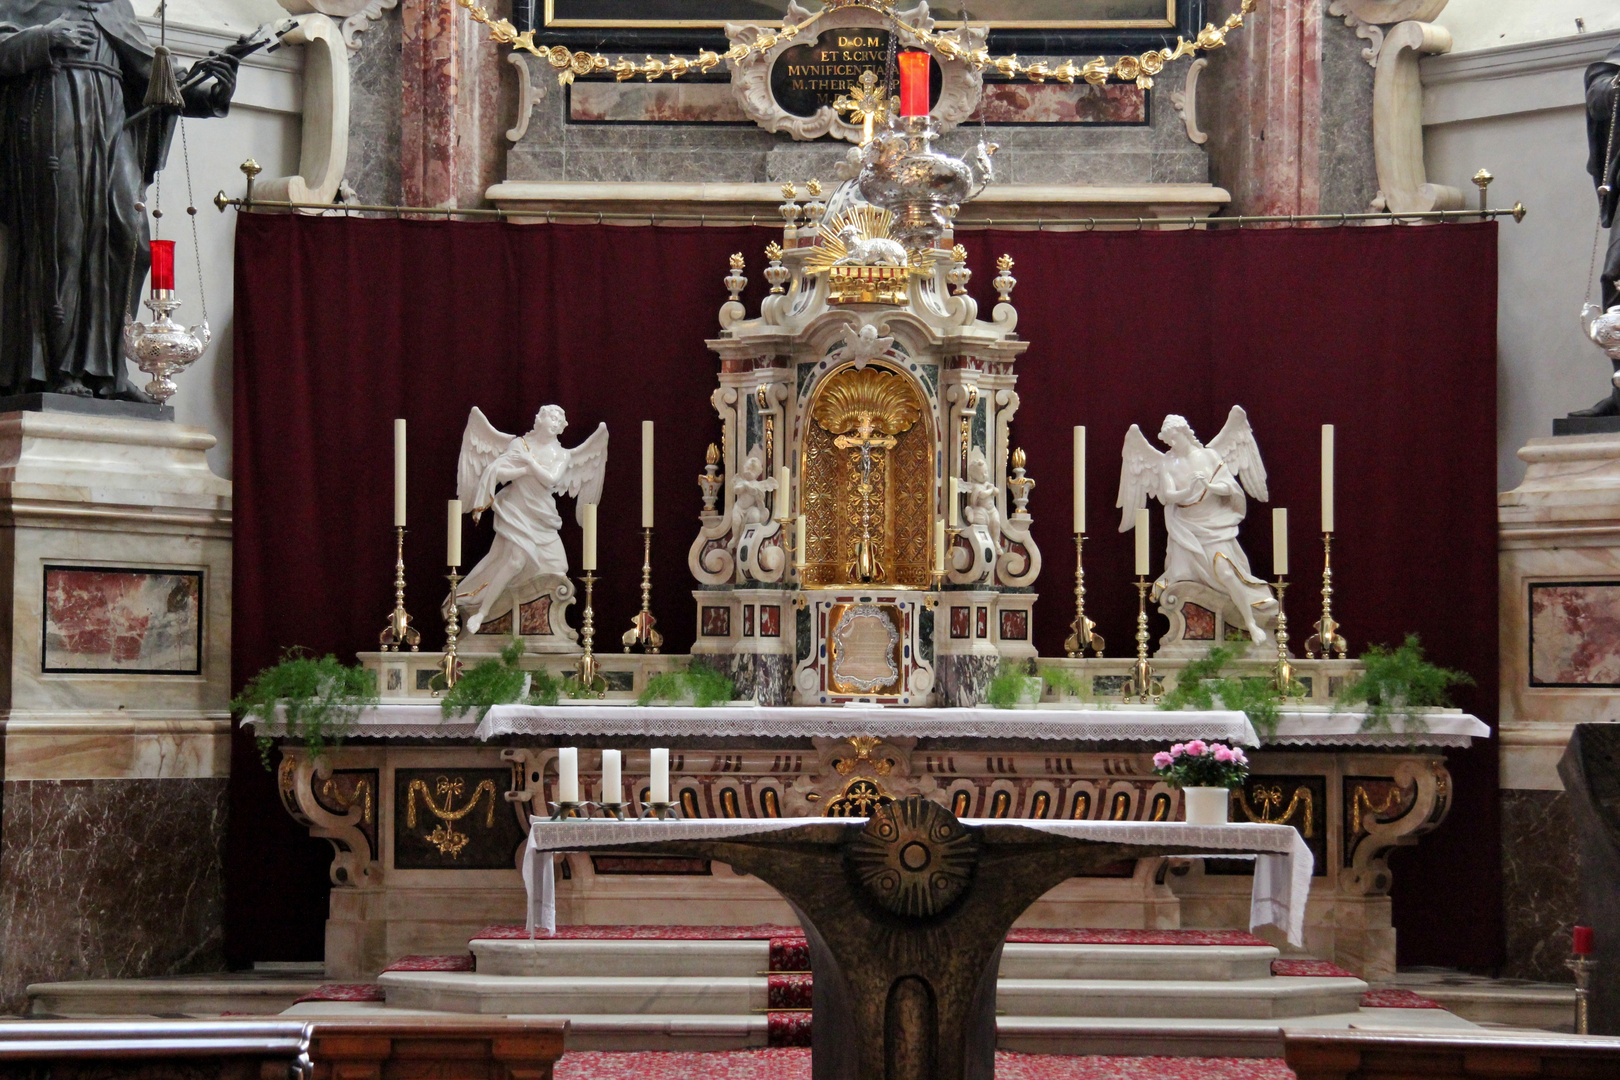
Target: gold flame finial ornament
(773,250)
(1004,264)
(959,253)
(1018,458)
(738,262)
(713,455)
(814,187)
(789,191)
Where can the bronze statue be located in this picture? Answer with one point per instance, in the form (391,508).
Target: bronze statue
(1602,110)
(78,148)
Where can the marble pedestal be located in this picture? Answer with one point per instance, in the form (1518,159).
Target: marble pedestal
(115,568)
(1559,588)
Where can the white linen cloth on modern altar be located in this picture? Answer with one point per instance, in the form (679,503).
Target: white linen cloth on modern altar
(1282,875)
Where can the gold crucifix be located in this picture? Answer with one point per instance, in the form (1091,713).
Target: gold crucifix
(865,567)
(866,105)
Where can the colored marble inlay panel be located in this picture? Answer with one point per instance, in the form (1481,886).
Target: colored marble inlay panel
(124,620)
(1200,622)
(653,103)
(1015,625)
(1575,634)
(716,622)
(770,620)
(959,622)
(454,819)
(1055,103)
(982,623)
(748,620)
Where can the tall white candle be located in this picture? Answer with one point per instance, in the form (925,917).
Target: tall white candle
(1327,478)
(1279,541)
(658,777)
(612,785)
(1142,542)
(1079,480)
(646,474)
(568,774)
(939,545)
(955,504)
(587,545)
(452,536)
(399,474)
(784,491)
(801,534)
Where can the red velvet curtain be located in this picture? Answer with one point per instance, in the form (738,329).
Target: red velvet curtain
(1388,332)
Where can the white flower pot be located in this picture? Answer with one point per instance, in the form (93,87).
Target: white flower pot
(1206,805)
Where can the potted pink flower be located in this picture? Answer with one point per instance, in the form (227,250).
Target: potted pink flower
(1206,773)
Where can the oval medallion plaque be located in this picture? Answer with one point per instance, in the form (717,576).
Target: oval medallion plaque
(913,858)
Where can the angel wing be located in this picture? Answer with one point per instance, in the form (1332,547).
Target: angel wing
(1138,477)
(481,444)
(1241,453)
(587,464)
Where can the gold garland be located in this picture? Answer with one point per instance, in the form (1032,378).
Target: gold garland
(1138,69)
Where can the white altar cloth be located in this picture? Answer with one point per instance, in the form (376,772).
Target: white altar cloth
(761,721)
(1320,726)
(1282,876)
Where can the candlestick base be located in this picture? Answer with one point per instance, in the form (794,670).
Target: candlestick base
(641,632)
(399,632)
(1283,673)
(1085,634)
(614,810)
(590,683)
(1582,967)
(449,663)
(1327,638)
(1146,687)
(660,811)
(569,811)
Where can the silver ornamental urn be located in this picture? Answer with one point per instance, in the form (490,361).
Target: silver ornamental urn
(163,348)
(901,172)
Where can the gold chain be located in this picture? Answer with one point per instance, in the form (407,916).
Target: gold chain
(1139,69)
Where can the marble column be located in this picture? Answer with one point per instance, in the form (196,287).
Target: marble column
(1288,106)
(115,554)
(453,110)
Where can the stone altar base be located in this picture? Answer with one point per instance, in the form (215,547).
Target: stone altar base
(115,557)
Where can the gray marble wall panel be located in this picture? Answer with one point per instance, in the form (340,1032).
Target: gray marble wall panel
(109,879)
(1349,174)
(1540,894)
(374,113)
(556,149)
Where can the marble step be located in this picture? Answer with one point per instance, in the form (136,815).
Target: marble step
(1266,998)
(196,995)
(743,959)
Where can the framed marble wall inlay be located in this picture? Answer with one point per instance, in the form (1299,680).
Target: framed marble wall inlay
(1575,634)
(124,620)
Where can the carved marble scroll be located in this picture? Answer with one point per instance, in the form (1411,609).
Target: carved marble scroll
(1398,122)
(324,152)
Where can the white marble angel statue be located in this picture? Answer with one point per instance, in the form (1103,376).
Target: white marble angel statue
(983,505)
(748,492)
(1201,488)
(520,479)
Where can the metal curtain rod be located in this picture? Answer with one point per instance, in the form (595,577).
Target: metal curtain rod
(1516,212)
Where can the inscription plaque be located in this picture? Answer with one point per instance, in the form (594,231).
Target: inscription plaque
(810,77)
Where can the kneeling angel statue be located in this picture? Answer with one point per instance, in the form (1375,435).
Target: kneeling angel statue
(1201,488)
(519,478)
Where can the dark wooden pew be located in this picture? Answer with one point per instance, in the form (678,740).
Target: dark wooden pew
(1498,1055)
(420,1048)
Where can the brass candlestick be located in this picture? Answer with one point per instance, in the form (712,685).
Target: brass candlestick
(641,630)
(1582,967)
(449,664)
(1327,637)
(590,678)
(399,630)
(660,811)
(1285,669)
(1144,686)
(1085,635)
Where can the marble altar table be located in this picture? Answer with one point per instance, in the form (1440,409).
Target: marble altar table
(906,911)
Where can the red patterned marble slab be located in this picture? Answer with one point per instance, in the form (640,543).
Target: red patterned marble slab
(1575,633)
(125,620)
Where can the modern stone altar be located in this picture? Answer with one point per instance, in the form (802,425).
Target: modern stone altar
(116,566)
(427,818)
